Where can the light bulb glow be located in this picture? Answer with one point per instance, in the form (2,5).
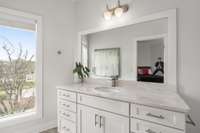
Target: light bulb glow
(118,11)
(108,15)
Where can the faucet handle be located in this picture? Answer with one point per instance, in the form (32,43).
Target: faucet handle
(114,79)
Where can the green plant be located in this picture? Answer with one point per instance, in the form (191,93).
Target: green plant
(81,71)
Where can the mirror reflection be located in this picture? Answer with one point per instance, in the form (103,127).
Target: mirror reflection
(106,62)
(133,52)
(150,60)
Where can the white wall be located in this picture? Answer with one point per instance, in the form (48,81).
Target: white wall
(157,50)
(57,35)
(143,54)
(149,51)
(89,15)
(124,38)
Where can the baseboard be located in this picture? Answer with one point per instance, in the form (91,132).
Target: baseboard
(46,126)
(41,127)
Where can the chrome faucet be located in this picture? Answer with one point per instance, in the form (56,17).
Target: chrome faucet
(114,81)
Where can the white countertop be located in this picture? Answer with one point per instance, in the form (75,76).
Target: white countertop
(138,95)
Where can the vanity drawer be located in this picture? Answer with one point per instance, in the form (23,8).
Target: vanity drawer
(104,104)
(164,117)
(67,105)
(67,95)
(67,126)
(139,126)
(67,115)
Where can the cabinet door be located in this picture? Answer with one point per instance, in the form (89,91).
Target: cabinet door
(113,123)
(95,121)
(88,120)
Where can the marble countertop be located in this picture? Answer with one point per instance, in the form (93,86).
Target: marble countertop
(159,98)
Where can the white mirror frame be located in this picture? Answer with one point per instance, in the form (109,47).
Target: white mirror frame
(171,55)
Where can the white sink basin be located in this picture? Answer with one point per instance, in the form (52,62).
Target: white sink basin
(107,89)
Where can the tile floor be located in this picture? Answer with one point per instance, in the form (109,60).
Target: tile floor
(54,130)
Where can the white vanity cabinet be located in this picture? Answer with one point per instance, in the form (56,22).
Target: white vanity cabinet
(88,120)
(117,107)
(141,126)
(146,119)
(66,111)
(83,112)
(91,114)
(99,115)
(92,120)
(66,126)
(160,116)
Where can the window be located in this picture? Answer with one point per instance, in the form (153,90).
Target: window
(84,55)
(84,50)
(17,71)
(20,66)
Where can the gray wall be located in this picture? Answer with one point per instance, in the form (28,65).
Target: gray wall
(57,35)
(89,15)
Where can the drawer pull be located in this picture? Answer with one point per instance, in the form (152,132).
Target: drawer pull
(66,105)
(101,121)
(96,123)
(150,131)
(155,116)
(66,95)
(67,115)
(66,129)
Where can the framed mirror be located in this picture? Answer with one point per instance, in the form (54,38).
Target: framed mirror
(137,50)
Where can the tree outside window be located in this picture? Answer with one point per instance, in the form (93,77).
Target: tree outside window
(17,71)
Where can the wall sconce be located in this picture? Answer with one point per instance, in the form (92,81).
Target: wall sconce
(116,11)
(108,13)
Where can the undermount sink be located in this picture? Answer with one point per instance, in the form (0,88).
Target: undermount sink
(107,89)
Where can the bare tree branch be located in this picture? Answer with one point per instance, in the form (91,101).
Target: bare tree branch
(13,72)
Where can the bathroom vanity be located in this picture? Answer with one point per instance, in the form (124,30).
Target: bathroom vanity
(142,50)
(95,109)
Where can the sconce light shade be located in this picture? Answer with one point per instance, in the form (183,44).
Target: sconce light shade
(118,11)
(115,11)
(108,15)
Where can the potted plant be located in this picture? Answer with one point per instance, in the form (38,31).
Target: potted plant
(81,71)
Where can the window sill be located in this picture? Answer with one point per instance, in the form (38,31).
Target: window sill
(19,119)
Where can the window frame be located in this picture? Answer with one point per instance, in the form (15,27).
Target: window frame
(38,114)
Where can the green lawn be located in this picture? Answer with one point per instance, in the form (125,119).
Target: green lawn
(29,85)
(2,93)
